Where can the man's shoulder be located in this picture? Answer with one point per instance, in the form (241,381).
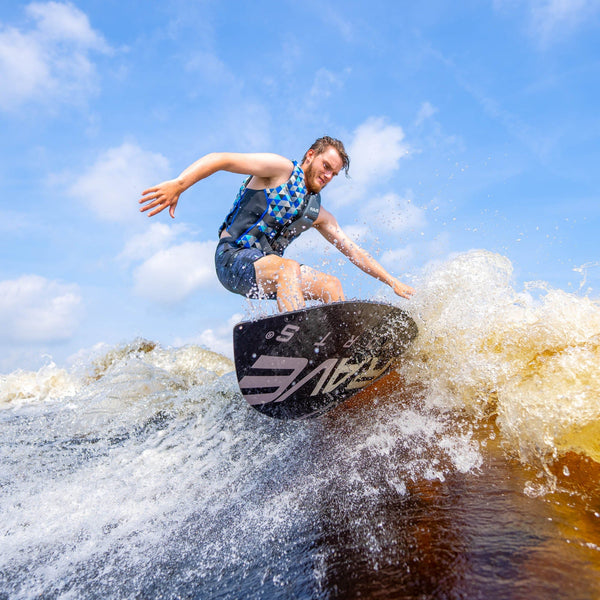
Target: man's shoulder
(271,171)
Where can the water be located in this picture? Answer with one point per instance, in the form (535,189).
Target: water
(472,473)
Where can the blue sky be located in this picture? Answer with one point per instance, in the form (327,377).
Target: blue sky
(469,124)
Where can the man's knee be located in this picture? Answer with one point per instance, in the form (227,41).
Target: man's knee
(289,268)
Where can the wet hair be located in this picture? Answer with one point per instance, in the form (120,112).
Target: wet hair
(321,144)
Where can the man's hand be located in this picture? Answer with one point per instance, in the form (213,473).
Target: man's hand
(164,195)
(401,289)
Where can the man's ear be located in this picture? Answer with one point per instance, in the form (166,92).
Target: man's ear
(309,157)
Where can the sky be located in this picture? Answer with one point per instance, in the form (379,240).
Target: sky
(470,125)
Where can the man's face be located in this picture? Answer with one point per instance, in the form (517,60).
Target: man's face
(320,169)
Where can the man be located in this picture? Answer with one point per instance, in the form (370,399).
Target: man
(278,200)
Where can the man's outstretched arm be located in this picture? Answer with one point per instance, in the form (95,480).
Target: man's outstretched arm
(269,170)
(328,227)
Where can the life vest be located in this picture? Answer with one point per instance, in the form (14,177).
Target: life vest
(270,219)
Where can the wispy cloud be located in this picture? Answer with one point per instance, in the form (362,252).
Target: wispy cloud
(217,338)
(393,214)
(549,21)
(336,19)
(111,186)
(539,143)
(426,111)
(327,82)
(34,309)
(50,61)
(249,125)
(550,18)
(212,70)
(397,258)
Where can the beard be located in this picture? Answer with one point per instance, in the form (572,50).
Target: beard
(312,182)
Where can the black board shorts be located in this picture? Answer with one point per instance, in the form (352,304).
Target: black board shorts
(235,269)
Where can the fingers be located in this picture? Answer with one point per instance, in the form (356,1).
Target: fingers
(408,292)
(403,290)
(153,203)
(154,193)
(151,194)
(150,198)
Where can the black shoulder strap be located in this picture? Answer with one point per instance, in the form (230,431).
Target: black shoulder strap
(310,211)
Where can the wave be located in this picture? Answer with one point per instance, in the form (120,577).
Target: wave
(527,359)
(530,359)
(142,365)
(145,467)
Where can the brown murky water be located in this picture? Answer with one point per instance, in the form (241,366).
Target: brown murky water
(479,534)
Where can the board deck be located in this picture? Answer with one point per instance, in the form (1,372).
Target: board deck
(302,363)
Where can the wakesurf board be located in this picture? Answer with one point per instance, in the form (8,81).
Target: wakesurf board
(302,363)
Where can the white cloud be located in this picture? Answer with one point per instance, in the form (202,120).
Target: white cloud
(35,309)
(171,275)
(376,150)
(64,22)
(112,186)
(169,267)
(157,237)
(375,153)
(218,339)
(50,61)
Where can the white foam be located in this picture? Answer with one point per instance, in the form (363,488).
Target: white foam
(488,349)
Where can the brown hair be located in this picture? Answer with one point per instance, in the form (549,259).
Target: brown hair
(321,144)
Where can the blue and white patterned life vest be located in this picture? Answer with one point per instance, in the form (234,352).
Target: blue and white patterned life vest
(270,219)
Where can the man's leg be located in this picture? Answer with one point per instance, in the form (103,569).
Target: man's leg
(320,286)
(293,284)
